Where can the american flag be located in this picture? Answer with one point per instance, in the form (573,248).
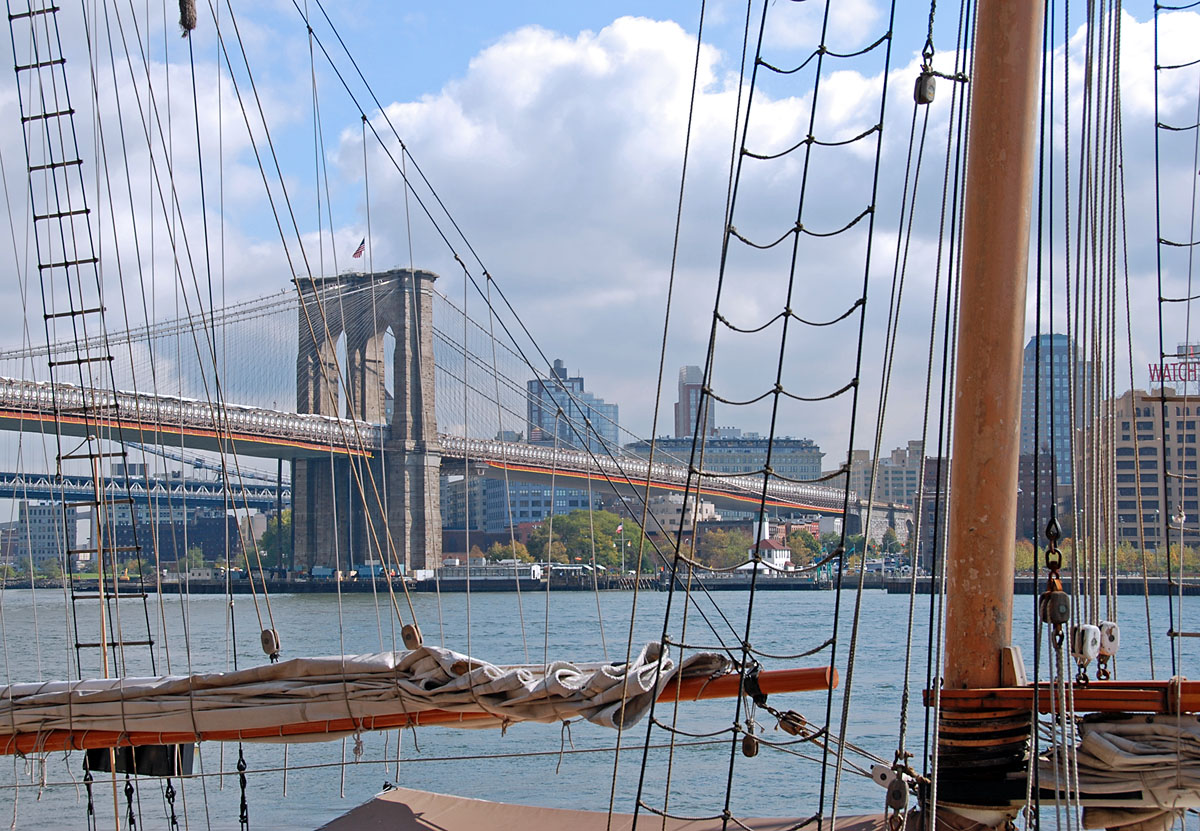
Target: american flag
(362,246)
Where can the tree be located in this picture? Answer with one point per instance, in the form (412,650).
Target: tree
(890,542)
(194,558)
(1026,556)
(577,536)
(514,551)
(275,545)
(722,548)
(51,569)
(805,547)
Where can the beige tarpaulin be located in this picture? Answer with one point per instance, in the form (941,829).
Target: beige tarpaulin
(313,690)
(1138,770)
(401,809)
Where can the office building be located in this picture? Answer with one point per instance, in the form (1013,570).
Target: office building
(796,459)
(1047,424)
(1145,447)
(562,413)
(483,501)
(687,405)
(897,477)
(41,532)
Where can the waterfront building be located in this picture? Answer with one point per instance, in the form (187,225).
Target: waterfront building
(797,459)
(687,405)
(561,412)
(1154,459)
(1047,424)
(667,514)
(530,503)
(463,506)
(214,533)
(490,513)
(41,532)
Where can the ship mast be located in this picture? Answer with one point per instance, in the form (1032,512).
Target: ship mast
(983,499)
(986,444)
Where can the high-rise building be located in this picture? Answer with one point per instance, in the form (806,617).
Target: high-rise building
(1146,444)
(797,459)
(687,406)
(897,477)
(1047,424)
(42,532)
(561,412)
(530,503)
(489,512)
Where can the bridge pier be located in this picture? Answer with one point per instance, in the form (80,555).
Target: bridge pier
(402,481)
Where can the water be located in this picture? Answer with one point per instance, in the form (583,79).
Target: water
(316,787)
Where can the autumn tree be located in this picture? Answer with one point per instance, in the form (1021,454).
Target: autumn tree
(509,551)
(805,547)
(721,548)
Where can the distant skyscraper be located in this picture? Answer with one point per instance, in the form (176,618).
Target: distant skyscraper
(560,392)
(1053,429)
(691,381)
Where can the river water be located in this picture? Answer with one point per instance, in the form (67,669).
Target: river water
(309,785)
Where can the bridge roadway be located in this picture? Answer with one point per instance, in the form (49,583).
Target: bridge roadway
(29,406)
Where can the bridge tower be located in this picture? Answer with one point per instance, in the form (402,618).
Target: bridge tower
(349,316)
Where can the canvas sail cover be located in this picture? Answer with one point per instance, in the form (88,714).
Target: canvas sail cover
(1138,770)
(318,690)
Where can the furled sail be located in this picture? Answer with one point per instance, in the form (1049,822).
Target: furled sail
(315,697)
(1141,769)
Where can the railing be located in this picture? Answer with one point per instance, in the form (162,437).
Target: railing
(636,468)
(41,398)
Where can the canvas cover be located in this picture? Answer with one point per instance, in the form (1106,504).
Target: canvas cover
(1134,771)
(313,690)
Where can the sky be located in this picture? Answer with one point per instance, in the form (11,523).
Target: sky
(549,138)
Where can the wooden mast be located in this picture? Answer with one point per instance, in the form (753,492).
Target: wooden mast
(986,446)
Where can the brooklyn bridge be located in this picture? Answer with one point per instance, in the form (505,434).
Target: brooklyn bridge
(380,361)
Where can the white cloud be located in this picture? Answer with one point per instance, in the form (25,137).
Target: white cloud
(560,155)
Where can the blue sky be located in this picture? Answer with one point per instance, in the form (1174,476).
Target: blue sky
(554,133)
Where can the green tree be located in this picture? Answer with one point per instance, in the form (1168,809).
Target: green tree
(577,535)
(890,542)
(194,558)
(275,545)
(51,569)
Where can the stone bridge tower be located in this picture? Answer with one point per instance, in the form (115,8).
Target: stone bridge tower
(340,503)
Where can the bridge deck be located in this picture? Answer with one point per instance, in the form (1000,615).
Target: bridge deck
(255,431)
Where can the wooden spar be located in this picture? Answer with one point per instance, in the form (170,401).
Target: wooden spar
(688,689)
(985,450)
(1158,697)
